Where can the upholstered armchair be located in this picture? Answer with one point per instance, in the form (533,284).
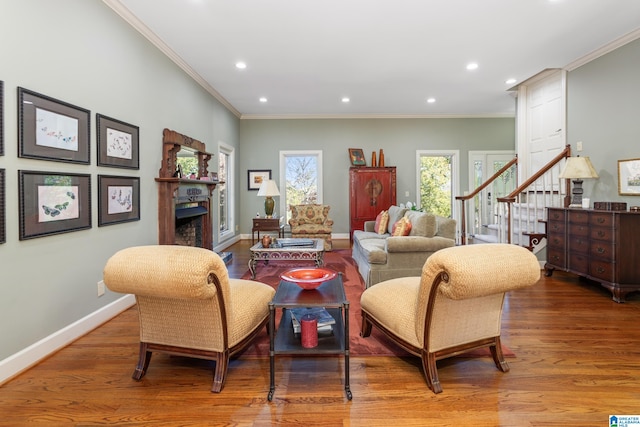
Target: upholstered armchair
(454,307)
(312,221)
(187,305)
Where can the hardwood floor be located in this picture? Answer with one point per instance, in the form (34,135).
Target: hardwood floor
(577,362)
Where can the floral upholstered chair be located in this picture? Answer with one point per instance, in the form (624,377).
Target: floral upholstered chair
(312,221)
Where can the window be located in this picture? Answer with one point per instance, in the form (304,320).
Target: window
(225,193)
(437,181)
(300,179)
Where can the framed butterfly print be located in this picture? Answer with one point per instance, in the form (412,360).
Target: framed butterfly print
(53,203)
(118,199)
(117,143)
(50,129)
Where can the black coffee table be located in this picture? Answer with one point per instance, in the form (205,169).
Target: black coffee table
(330,295)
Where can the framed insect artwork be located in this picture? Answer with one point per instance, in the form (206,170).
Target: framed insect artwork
(53,203)
(118,143)
(50,129)
(118,199)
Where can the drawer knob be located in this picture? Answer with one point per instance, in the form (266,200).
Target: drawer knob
(600,250)
(600,220)
(600,233)
(600,270)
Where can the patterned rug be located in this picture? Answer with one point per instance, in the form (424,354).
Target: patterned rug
(340,260)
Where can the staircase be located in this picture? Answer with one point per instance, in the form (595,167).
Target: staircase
(520,217)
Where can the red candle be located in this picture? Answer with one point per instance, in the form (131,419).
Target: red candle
(309,331)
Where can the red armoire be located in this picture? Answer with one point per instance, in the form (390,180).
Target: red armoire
(371,190)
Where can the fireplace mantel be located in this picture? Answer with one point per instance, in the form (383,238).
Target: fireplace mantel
(176,192)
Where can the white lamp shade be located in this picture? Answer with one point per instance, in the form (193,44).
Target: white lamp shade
(268,188)
(578,168)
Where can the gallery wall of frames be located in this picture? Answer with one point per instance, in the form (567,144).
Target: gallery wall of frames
(54,202)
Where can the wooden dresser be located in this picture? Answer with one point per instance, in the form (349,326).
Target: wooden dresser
(371,190)
(600,245)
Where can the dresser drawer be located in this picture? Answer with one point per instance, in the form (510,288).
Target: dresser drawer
(555,227)
(556,215)
(579,244)
(556,241)
(601,219)
(602,250)
(602,270)
(578,217)
(556,257)
(601,233)
(579,262)
(581,230)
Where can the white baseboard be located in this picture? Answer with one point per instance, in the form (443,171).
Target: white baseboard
(26,358)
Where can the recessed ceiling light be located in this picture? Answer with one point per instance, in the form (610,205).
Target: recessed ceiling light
(472,66)
(431,100)
(511,81)
(263,99)
(345,99)
(241,65)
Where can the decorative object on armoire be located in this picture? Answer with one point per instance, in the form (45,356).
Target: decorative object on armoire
(357,157)
(381,158)
(374,162)
(269,190)
(629,177)
(577,169)
(371,190)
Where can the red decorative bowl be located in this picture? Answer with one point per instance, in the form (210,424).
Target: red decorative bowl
(308,278)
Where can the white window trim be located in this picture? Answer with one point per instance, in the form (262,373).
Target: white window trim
(230,233)
(455,178)
(283,174)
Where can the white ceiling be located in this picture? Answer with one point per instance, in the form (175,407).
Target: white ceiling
(387,56)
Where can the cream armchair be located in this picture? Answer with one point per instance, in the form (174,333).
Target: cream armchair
(454,307)
(187,305)
(312,221)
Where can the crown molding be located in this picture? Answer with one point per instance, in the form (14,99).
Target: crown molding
(132,20)
(609,47)
(372,116)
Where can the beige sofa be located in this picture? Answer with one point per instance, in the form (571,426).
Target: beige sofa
(382,257)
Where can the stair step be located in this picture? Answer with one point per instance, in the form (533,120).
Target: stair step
(484,238)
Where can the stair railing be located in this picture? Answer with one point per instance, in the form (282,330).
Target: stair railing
(530,199)
(465,199)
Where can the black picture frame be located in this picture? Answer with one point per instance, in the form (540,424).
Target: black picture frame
(50,129)
(53,203)
(3,226)
(255,178)
(118,199)
(118,143)
(1,118)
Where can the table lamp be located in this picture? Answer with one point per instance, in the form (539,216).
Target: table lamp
(269,189)
(577,168)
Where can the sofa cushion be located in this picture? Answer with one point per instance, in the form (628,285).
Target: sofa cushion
(395,213)
(382,221)
(422,223)
(402,227)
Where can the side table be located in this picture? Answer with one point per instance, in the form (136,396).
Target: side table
(330,295)
(266,224)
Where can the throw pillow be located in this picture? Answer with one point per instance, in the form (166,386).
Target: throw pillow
(402,227)
(382,220)
(395,213)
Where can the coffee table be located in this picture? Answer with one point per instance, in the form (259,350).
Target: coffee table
(313,253)
(330,295)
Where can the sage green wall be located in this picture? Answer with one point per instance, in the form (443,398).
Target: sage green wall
(604,113)
(83,53)
(399,138)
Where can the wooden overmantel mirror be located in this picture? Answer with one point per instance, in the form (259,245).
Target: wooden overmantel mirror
(184,192)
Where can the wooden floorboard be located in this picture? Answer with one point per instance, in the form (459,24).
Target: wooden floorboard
(577,362)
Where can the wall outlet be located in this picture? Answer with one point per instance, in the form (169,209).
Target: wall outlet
(579,146)
(101,288)
(406,194)
(237,228)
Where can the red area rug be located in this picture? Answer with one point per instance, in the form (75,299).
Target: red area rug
(340,260)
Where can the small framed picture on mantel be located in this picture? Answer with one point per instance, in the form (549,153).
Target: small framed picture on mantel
(356,155)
